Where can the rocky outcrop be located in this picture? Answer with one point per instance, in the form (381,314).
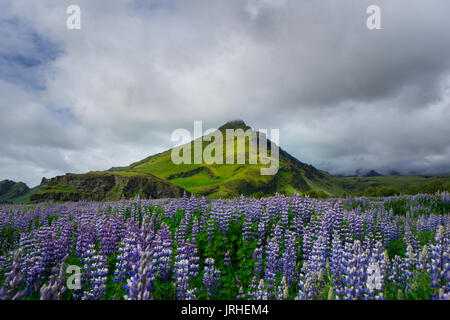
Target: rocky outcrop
(10,189)
(100,186)
(193,172)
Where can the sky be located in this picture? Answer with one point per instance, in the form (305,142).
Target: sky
(343,97)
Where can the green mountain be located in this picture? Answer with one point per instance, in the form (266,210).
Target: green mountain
(158,176)
(230,180)
(410,184)
(10,190)
(111,186)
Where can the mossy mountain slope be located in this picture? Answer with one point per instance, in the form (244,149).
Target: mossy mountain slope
(10,190)
(158,177)
(100,186)
(230,180)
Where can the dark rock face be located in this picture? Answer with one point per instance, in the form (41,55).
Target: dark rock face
(191,173)
(5,185)
(106,186)
(234,124)
(10,189)
(372,173)
(151,188)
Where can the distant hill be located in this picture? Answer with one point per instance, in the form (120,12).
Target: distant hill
(411,184)
(232,180)
(10,190)
(100,186)
(372,173)
(158,177)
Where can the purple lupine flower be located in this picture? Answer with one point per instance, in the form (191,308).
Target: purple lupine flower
(262,232)
(127,254)
(284,215)
(95,271)
(283,290)
(317,260)
(65,244)
(409,267)
(56,287)
(211,278)
(107,236)
(272,253)
(409,238)
(355,268)
(440,264)
(395,272)
(307,243)
(227,259)
(181,232)
(241,294)
(210,228)
(181,273)
(261,293)
(195,229)
(336,263)
(85,236)
(377,272)
(289,258)
(192,256)
(14,280)
(423,264)
(247,230)
(162,252)
(141,282)
(306,290)
(185,268)
(258,256)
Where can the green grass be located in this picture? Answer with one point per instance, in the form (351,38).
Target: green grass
(115,193)
(57,188)
(354,185)
(219,176)
(26,197)
(231,180)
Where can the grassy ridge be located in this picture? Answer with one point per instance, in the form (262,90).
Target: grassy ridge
(228,180)
(232,180)
(403,184)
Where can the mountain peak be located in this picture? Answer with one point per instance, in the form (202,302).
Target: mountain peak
(235,124)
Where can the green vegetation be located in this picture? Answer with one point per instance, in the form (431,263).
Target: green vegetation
(57,187)
(10,190)
(393,185)
(430,188)
(232,180)
(223,180)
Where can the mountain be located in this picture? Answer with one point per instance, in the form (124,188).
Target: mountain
(10,190)
(100,186)
(232,180)
(372,173)
(363,173)
(157,176)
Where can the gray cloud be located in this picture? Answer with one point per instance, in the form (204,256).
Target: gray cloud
(344,97)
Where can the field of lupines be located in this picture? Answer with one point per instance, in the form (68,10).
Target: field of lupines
(245,248)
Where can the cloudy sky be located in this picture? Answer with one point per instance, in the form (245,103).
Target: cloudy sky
(344,97)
